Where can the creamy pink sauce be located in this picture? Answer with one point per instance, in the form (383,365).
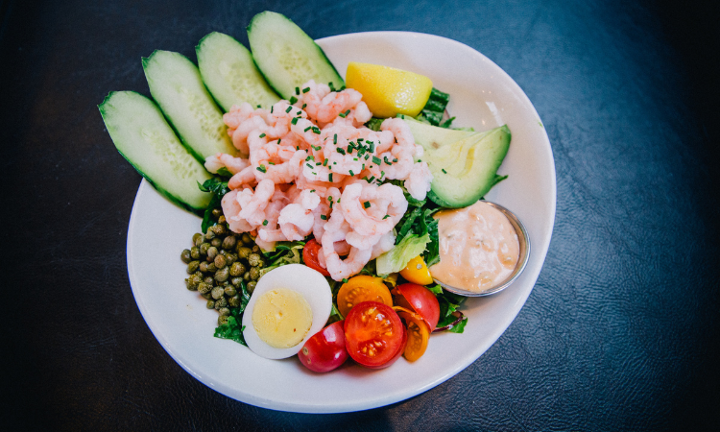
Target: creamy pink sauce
(478,247)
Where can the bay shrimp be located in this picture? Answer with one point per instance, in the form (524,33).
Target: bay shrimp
(253,203)
(335,231)
(372,210)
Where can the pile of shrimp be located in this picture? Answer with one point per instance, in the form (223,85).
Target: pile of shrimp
(313,168)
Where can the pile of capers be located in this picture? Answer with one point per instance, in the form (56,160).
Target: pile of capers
(218,263)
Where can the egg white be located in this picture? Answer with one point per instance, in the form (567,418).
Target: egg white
(303,280)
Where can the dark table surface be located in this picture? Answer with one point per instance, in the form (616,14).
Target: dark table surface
(619,333)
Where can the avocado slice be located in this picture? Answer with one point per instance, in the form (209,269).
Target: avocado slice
(464,169)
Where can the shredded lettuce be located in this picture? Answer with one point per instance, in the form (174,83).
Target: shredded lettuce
(397,258)
(284,253)
(233,329)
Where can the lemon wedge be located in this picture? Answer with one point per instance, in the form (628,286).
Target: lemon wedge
(388,91)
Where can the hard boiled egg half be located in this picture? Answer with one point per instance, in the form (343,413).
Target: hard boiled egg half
(288,306)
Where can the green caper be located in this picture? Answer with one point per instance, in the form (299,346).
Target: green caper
(204,248)
(230,291)
(254,273)
(209,280)
(220,230)
(206,296)
(212,252)
(236,281)
(216,213)
(222,275)
(246,238)
(185,256)
(196,278)
(222,319)
(212,268)
(251,286)
(255,260)
(246,276)
(236,269)
(256,248)
(220,261)
(229,242)
(193,267)
(210,304)
(221,219)
(210,234)
(203,288)
(234,301)
(217,292)
(195,252)
(204,266)
(231,258)
(224,311)
(220,303)
(244,252)
(216,242)
(197,238)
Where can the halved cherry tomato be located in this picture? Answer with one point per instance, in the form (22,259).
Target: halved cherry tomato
(374,334)
(419,299)
(417,272)
(325,351)
(362,288)
(310,257)
(418,335)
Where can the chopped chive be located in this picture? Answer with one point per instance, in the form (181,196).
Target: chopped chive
(363,167)
(317,148)
(351,173)
(279,140)
(366,204)
(261,168)
(314,173)
(334,163)
(367,156)
(309,166)
(259,106)
(341,151)
(345,280)
(297,90)
(265,222)
(382,174)
(262,135)
(349,150)
(307,128)
(360,139)
(306,89)
(323,217)
(304,105)
(271,163)
(316,130)
(325,162)
(371,179)
(297,147)
(376,160)
(372,146)
(343,115)
(335,139)
(386,216)
(293,100)
(443,170)
(330,177)
(294,120)
(288,109)
(394,160)
(312,190)
(271,109)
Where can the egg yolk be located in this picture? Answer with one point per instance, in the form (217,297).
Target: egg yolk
(282,318)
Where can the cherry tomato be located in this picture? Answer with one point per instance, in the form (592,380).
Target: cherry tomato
(418,335)
(325,351)
(374,334)
(417,272)
(310,257)
(419,299)
(362,288)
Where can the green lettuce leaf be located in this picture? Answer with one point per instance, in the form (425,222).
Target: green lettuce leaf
(397,258)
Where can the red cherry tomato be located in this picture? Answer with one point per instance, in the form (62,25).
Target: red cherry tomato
(374,335)
(421,300)
(325,351)
(310,257)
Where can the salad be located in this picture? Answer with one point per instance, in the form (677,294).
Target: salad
(317,183)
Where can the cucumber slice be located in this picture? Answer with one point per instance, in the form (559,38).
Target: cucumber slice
(287,56)
(177,87)
(143,137)
(228,71)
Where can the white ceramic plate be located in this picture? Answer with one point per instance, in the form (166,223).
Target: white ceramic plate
(482,96)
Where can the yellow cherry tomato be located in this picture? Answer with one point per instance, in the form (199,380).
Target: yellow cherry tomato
(362,288)
(417,272)
(418,335)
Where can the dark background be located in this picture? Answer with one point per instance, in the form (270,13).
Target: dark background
(620,332)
